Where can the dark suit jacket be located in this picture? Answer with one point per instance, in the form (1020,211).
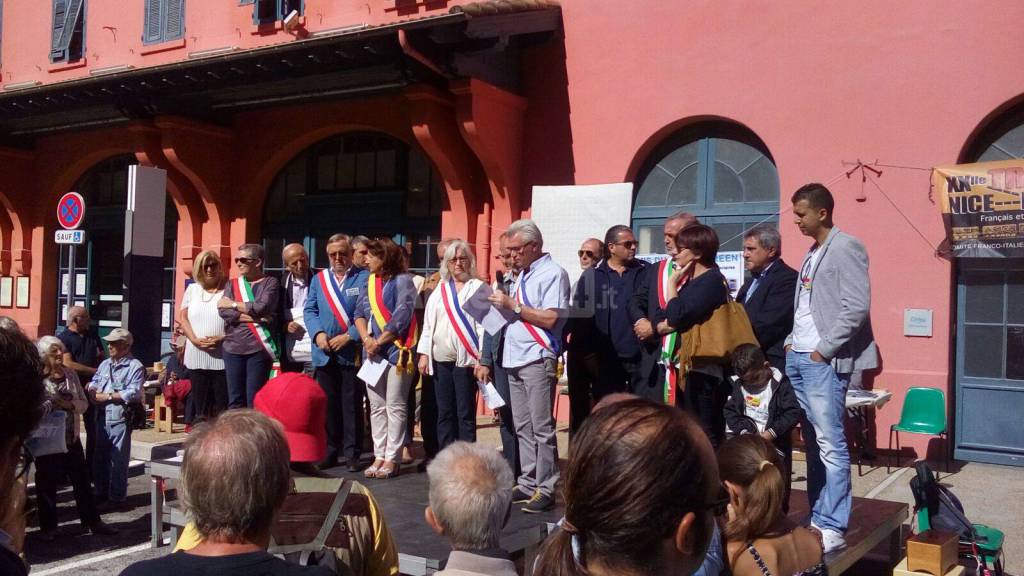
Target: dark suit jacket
(644,304)
(770,309)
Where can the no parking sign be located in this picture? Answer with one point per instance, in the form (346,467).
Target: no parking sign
(70,210)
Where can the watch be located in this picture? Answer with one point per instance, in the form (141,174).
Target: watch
(518,309)
(234,305)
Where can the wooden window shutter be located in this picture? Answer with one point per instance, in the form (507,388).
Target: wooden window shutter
(174,27)
(152,28)
(60,15)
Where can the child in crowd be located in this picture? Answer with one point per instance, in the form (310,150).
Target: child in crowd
(760,539)
(762,402)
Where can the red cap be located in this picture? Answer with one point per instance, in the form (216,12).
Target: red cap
(300,405)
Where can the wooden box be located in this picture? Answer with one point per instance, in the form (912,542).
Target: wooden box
(932,551)
(901,570)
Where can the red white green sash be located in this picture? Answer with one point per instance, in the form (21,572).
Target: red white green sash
(543,337)
(333,292)
(382,315)
(243,289)
(461,324)
(669,342)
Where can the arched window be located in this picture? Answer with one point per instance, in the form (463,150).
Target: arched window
(720,172)
(357,183)
(97,277)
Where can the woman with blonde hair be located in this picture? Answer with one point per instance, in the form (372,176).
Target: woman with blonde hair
(204,329)
(761,540)
(449,347)
(64,392)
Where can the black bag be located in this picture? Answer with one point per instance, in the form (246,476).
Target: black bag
(135,415)
(316,553)
(945,511)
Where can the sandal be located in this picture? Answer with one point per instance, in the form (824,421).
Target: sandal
(388,470)
(371,472)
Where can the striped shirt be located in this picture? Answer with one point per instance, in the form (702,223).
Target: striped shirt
(206,321)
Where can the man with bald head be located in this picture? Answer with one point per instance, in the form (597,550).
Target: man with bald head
(590,253)
(296,281)
(83,352)
(645,303)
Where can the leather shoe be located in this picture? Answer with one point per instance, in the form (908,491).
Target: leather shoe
(101,529)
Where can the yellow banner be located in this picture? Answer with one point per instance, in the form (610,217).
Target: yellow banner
(983,208)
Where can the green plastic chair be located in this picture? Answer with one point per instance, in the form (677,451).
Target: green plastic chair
(924,412)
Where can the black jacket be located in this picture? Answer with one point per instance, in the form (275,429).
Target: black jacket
(644,304)
(770,309)
(784,412)
(597,323)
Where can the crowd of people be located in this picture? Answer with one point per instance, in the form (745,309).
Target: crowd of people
(677,463)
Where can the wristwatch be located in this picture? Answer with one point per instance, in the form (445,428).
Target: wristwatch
(234,305)
(518,309)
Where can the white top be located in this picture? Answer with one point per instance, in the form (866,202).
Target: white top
(205,321)
(805,333)
(756,405)
(438,340)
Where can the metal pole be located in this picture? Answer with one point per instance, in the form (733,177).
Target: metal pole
(71,281)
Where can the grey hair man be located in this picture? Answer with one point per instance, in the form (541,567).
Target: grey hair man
(295,288)
(590,253)
(359,251)
(235,478)
(767,294)
(470,499)
(540,303)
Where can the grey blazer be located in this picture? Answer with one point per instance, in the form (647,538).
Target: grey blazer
(841,304)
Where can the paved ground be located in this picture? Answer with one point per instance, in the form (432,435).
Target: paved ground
(991,495)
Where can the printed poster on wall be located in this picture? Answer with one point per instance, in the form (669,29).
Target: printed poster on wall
(730,264)
(982,208)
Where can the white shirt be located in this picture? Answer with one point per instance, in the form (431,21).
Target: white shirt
(756,405)
(805,333)
(438,340)
(297,349)
(205,321)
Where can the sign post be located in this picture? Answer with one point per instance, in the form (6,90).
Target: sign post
(70,213)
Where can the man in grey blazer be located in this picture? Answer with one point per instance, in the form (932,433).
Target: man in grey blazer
(831,339)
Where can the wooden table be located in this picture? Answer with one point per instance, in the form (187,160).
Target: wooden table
(872,522)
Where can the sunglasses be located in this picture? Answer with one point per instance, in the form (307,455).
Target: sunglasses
(246,260)
(587,253)
(628,244)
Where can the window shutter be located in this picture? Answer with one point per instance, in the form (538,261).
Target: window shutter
(265,11)
(60,15)
(72,12)
(175,26)
(151,27)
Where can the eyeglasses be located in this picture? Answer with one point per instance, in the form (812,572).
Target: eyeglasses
(517,249)
(336,255)
(587,253)
(211,265)
(628,244)
(459,260)
(245,260)
(21,468)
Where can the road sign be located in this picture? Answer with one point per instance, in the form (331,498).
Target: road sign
(69,236)
(70,210)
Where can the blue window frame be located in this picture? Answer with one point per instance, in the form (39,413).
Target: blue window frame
(164,20)
(266,11)
(67,42)
(721,173)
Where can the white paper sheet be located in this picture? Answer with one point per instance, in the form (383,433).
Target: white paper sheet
(489,393)
(481,310)
(299,349)
(372,371)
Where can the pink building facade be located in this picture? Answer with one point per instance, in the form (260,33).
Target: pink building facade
(475,103)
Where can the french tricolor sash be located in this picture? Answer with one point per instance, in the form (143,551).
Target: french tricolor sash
(382,315)
(460,322)
(333,292)
(243,289)
(669,342)
(543,337)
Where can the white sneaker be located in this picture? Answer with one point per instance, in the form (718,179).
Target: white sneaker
(832,540)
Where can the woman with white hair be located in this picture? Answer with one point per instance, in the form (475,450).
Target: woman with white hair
(64,392)
(449,347)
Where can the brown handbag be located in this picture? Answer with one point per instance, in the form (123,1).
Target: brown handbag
(713,341)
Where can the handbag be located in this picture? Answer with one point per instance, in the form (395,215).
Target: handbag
(712,341)
(49,437)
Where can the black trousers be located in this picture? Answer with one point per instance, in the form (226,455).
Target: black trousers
(455,391)
(344,409)
(594,375)
(509,440)
(89,421)
(50,473)
(705,398)
(209,394)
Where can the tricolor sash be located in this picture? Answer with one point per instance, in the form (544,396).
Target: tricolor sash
(461,324)
(669,342)
(382,315)
(333,292)
(543,337)
(243,289)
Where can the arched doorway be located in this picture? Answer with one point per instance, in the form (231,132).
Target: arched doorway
(97,278)
(990,330)
(357,183)
(719,171)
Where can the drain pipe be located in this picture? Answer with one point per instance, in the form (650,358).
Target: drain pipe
(485,246)
(411,52)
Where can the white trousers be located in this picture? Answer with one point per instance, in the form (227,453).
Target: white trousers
(388,414)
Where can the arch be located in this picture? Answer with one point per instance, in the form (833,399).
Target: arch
(992,127)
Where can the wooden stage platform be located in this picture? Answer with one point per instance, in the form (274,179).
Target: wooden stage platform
(874,523)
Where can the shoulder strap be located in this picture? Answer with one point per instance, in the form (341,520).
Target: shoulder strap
(758,560)
(325,529)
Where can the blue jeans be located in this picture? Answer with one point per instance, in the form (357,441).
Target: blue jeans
(822,395)
(113,450)
(246,374)
(455,390)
